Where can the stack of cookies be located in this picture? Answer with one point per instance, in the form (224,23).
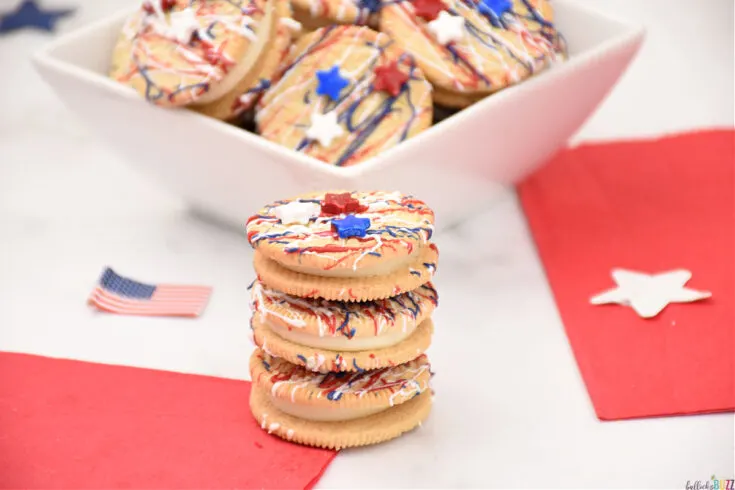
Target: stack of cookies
(341,319)
(339,80)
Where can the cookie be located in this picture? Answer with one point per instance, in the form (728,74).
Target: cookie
(243,98)
(338,410)
(324,360)
(336,325)
(341,336)
(441,112)
(406,278)
(452,100)
(314,14)
(345,234)
(471,48)
(347,93)
(181,52)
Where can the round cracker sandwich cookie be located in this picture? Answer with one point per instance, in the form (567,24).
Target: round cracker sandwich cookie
(471,48)
(351,246)
(343,234)
(328,336)
(337,325)
(314,14)
(406,278)
(264,73)
(181,52)
(347,93)
(323,360)
(338,410)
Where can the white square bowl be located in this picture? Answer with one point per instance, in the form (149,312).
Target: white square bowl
(458,164)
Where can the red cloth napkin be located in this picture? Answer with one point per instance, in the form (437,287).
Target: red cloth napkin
(70,424)
(649,206)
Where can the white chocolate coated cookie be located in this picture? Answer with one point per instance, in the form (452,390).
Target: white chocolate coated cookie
(347,93)
(471,48)
(245,95)
(179,52)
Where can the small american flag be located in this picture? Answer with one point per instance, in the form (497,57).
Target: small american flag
(117,294)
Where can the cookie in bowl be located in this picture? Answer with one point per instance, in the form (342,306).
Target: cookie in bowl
(469,49)
(231,106)
(193,52)
(314,14)
(347,93)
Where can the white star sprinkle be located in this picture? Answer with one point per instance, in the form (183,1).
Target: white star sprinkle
(297,212)
(648,294)
(324,128)
(447,28)
(183,24)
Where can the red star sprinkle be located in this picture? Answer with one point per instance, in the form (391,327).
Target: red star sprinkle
(428,9)
(341,204)
(389,78)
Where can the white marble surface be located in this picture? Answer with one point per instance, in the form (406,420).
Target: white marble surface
(511,409)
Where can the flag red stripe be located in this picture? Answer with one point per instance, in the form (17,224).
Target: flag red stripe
(102,305)
(136,303)
(108,309)
(122,305)
(116,304)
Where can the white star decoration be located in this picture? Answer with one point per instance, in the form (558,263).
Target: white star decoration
(648,294)
(447,27)
(324,128)
(183,24)
(297,212)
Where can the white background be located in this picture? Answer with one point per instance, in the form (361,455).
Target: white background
(511,409)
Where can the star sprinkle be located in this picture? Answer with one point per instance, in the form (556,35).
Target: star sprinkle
(344,203)
(183,24)
(29,15)
(297,212)
(324,128)
(494,7)
(389,78)
(351,226)
(428,9)
(648,294)
(447,28)
(331,82)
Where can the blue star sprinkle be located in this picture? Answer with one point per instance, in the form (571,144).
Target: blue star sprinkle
(371,6)
(494,7)
(351,226)
(29,15)
(331,82)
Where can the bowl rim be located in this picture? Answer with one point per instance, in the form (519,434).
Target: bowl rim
(631,34)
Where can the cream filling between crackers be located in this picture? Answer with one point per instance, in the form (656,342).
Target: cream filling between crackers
(341,343)
(253,52)
(384,268)
(322,414)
